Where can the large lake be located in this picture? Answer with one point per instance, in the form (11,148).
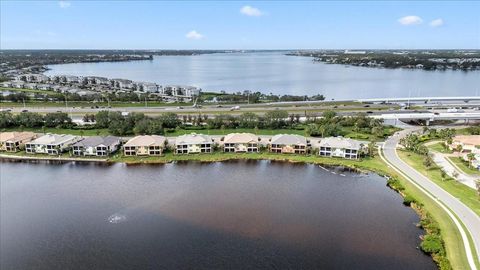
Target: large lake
(280,74)
(231,215)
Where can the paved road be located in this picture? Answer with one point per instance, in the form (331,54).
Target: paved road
(465,214)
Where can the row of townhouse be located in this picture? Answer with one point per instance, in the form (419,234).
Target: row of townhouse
(43,82)
(154,145)
(243,143)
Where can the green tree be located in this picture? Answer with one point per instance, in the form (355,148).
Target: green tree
(471,158)
(248,120)
(275,119)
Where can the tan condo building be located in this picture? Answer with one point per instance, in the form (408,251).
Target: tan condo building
(467,143)
(15,141)
(288,144)
(146,145)
(193,143)
(241,143)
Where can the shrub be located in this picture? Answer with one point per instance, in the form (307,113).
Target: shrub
(408,200)
(432,244)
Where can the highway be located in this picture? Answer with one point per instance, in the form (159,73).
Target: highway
(449,203)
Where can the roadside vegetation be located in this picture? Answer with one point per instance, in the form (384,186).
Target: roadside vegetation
(170,124)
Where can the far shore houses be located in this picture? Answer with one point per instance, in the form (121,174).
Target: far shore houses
(241,143)
(51,144)
(96,146)
(89,85)
(145,145)
(15,141)
(193,143)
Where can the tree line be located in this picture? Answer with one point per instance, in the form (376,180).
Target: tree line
(330,124)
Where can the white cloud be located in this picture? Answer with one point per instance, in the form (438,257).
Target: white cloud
(251,11)
(436,23)
(194,35)
(410,20)
(64,4)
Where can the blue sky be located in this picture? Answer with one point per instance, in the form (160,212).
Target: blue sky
(239,25)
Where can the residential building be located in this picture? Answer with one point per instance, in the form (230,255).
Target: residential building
(340,147)
(15,141)
(32,78)
(122,84)
(18,84)
(290,144)
(180,91)
(146,145)
(466,143)
(96,146)
(52,144)
(241,142)
(147,87)
(193,143)
(44,86)
(6,84)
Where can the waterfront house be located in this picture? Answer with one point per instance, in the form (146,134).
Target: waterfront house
(466,143)
(44,86)
(18,84)
(7,84)
(340,147)
(180,91)
(96,146)
(122,83)
(287,143)
(32,78)
(147,87)
(52,144)
(15,141)
(241,142)
(146,145)
(193,143)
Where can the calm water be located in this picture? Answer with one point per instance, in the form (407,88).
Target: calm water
(274,72)
(232,215)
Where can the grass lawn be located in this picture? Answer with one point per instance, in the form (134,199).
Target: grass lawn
(462,165)
(438,147)
(465,194)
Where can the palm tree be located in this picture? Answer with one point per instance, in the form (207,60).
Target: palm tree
(470,157)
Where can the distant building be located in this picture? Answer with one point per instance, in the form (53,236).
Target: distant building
(180,91)
(193,143)
(467,143)
(122,84)
(15,141)
(32,78)
(340,147)
(52,144)
(241,142)
(147,87)
(96,146)
(286,143)
(147,145)
(6,84)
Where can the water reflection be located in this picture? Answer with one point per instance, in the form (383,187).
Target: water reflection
(230,215)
